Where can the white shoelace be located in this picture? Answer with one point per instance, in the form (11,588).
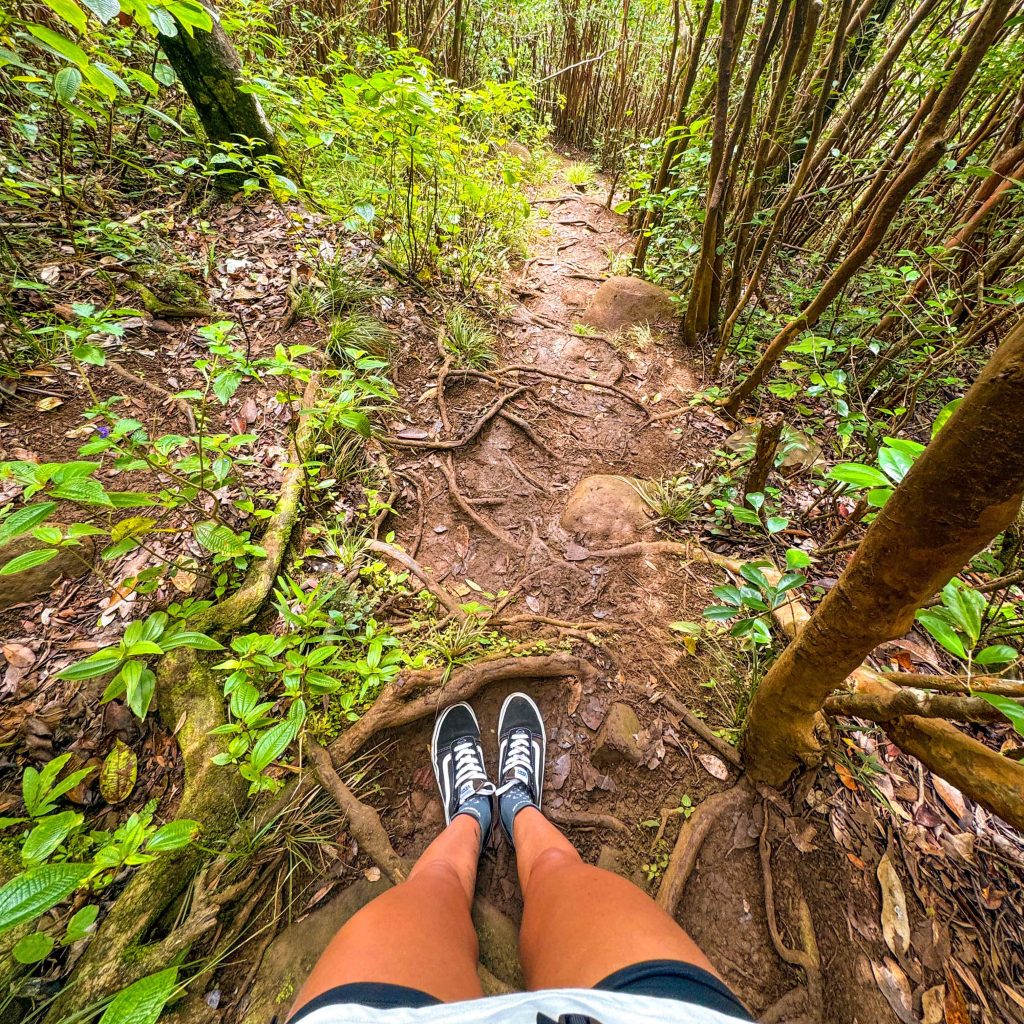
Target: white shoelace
(517,755)
(468,769)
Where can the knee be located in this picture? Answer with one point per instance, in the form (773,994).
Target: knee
(553,862)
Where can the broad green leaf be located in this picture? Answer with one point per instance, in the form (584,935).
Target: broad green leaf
(966,606)
(87,492)
(29,560)
(33,892)
(754,575)
(894,463)
(173,836)
(61,45)
(942,631)
(119,771)
(70,12)
(272,744)
(142,1002)
(1009,707)
(80,924)
(163,22)
(25,519)
(719,613)
(996,654)
(216,537)
(139,696)
(187,638)
(105,10)
(858,475)
(98,664)
(944,413)
(47,836)
(775,524)
(32,948)
(797,559)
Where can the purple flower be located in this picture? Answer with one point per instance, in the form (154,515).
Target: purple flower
(104,431)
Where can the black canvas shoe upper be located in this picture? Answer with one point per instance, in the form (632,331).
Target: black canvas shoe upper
(521,753)
(458,760)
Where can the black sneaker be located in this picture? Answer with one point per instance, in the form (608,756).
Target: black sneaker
(521,750)
(459,768)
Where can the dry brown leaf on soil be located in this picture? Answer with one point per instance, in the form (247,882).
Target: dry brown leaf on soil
(955,1004)
(894,985)
(950,796)
(48,404)
(714,766)
(932,1009)
(18,655)
(895,926)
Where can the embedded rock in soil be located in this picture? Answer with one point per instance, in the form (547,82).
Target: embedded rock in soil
(519,151)
(23,586)
(610,859)
(606,510)
(623,302)
(617,739)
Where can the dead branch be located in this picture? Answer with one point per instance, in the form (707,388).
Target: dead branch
(691,837)
(885,707)
(958,684)
(363,821)
(449,603)
(498,532)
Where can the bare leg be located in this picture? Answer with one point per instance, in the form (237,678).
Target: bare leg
(418,934)
(581,923)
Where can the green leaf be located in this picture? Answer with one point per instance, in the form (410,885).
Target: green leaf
(797,559)
(754,575)
(944,413)
(966,606)
(25,519)
(142,1002)
(858,475)
(1008,707)
(996,654)
(942,631)
(70,12)
(105,10)
(216,537)
(47,836)
(163,22)
(61,45)
(29,560)
(66,84)
(173,836)
(33,892)
(87,492)
(140,695)
(98,664)
(80,924)
(272,744)
(198,641)
(131,499)
(226,384)
(774,524)
(894,463)
(719,613)
(119,771)
(32,948)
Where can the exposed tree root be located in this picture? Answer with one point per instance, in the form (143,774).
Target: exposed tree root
(958,684)
(907,701)
(481,421)
(498,532)
(525,427)
(421,491)
(691,837)
(807,956)
(585,819)
(449,603)
(363,821)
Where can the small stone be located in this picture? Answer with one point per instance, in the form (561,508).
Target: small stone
(610,859)
(605,509)
(617,739)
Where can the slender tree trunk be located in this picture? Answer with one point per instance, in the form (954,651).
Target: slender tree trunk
(210,69)
(963,491)
(928,150)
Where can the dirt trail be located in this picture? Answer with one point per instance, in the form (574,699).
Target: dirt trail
(486,518)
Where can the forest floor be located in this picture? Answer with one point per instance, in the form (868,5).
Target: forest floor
(490,521)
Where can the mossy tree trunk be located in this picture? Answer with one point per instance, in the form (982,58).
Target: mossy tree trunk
(210,69)
(963,491)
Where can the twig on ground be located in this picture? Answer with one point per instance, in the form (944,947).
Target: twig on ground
(585,819)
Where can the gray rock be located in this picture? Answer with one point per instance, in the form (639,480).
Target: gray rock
(617,738)
(23,586)
(610,859)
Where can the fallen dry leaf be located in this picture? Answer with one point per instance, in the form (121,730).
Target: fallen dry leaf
(932,1009)
(18,655)
(895,926)
(894,985)
(845,777)
(372,874)
(714,766)
(46,404)
(955,1005)
(950,796)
